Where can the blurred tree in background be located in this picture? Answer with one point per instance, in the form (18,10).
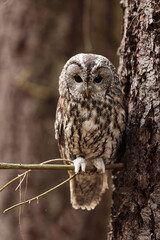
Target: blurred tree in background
(36,39)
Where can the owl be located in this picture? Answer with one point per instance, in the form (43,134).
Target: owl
(90,120)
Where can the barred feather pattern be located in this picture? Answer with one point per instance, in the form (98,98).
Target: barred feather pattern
(89,125)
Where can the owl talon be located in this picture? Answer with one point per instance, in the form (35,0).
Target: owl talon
(79,163)
(99,164)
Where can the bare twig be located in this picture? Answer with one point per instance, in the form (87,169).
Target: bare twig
(53,166)
(40,195)
(14,179)
(6,166)
(44,166)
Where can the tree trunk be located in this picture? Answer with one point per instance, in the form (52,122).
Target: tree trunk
(136,198)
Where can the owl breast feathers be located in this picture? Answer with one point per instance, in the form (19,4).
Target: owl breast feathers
(90,121)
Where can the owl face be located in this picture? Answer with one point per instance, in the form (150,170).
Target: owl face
(86,76)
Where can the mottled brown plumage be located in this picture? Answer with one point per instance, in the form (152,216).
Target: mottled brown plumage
(90,120)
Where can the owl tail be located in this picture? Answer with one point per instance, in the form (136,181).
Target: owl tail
(86,189)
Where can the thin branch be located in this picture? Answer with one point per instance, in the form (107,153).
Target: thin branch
(40,195)
(20,182)
(53,166)
(14,179)
(26,173)
(44,166)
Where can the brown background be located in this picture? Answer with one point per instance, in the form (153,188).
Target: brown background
(36,39)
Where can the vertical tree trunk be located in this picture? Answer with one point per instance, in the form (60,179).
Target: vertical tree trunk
(136,199)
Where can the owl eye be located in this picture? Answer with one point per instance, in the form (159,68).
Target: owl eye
(77,78)
(98,79)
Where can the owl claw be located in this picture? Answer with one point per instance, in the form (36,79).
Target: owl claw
(79,163)
(99,164)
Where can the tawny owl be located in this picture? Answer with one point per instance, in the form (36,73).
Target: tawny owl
(90,120)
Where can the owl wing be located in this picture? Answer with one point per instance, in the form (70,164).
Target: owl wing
(59,127)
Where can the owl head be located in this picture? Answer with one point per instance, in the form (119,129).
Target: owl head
(87,76)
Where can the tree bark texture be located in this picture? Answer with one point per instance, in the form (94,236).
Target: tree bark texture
(136,198)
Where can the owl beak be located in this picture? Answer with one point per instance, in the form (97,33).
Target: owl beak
(87,92)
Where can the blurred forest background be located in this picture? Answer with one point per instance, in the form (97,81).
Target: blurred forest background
(36,39)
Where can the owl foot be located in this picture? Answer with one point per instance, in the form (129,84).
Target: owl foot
(99,164)
(79,163)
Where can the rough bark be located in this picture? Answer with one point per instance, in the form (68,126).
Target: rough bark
(136,198)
